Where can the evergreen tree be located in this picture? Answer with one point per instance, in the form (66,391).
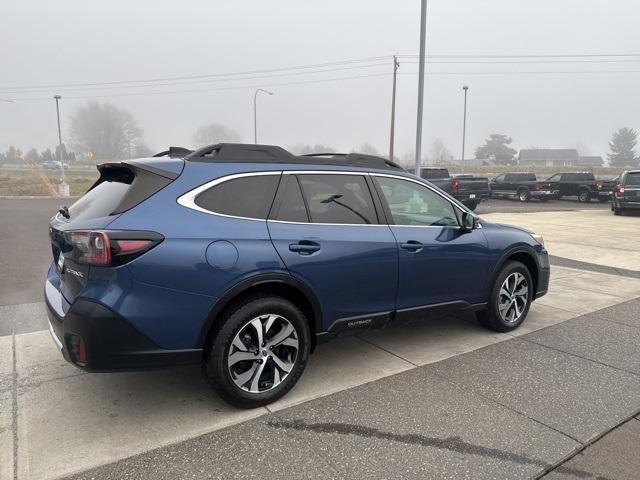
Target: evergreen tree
(622,146)
(497,146)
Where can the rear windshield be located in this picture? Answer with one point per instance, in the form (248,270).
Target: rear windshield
(633,179)
(105,197)
(118,189)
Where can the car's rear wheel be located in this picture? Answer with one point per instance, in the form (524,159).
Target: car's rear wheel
(524,195)
(584,196)
(510,298)
(259,352)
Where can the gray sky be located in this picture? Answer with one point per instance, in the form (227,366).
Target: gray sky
(78,41)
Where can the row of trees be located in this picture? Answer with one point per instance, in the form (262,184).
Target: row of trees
(102,131)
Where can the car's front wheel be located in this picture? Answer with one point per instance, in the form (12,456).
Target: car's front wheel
(259,353)
(510,298)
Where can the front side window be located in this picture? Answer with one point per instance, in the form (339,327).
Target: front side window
(415,204)
(333,198)
(500,178)
(555,178)
(249,197)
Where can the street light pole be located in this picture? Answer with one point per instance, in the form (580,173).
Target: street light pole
(64,187)
(393,107)
(255,114)
(464,123)
(423,32)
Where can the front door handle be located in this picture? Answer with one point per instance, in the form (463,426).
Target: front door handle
(412,246)
(304,247)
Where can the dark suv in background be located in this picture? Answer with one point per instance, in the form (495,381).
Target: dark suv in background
(626,195)
(242,258)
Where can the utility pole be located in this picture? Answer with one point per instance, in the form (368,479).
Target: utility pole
(393,107)
(63,189)
(423,33)
(464,123)
(255,114)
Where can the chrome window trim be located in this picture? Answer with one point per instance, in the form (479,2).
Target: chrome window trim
(188,199)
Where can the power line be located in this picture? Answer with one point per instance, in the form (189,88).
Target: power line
(213,80)
(567,55)
(196,77)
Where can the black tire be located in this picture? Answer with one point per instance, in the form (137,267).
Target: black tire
(491,317)
(558,197)
(236,319)
(584,196)
(524,195)
(617,210)
(471,205)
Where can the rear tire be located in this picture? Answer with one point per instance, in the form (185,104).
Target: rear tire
(509,300)
(247,363)
(524,195)
(584,196)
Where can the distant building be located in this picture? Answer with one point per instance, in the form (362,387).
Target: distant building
(549,157)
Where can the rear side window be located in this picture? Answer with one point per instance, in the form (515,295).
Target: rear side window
(248,197)
(344,199)
(633,179)
(117,190)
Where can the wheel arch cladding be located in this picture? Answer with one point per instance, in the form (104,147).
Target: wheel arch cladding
(280,285)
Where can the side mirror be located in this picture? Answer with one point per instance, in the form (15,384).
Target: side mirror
(469,222)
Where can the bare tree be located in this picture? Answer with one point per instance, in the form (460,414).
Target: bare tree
(439,152)
(215,133)
(368,149)
(109,132)
(303,148)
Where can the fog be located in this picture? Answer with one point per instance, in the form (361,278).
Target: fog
(69,42)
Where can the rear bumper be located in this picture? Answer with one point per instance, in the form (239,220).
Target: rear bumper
(110,342)
(621,203)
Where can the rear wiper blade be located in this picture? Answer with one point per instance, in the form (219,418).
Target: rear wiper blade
(64,211)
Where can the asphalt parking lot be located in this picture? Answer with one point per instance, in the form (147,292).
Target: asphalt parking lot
(446,399)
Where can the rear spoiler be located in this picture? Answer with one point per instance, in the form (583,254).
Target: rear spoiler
(174,152)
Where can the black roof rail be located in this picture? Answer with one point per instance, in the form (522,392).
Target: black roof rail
(359,159)
(241,152)
(249,153)
(174,152)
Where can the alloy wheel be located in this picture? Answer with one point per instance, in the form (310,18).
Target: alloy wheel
(513,297)
(263,353)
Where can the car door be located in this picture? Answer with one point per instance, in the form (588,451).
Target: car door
(441,265)
(498,185)
(326,229)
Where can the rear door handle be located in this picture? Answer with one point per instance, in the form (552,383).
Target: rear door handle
(412,246)
(304,247)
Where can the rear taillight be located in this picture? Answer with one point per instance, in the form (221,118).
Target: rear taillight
(620,192)
(455,183)
(100,247)
(94,247)
(599,185)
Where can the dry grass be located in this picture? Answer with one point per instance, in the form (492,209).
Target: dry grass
(38,182)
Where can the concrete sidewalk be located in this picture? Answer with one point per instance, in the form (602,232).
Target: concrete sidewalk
(516,409)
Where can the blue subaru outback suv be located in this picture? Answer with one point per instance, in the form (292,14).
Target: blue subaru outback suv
(241,258)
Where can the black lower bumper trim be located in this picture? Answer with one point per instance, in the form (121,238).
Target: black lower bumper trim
(111,343)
